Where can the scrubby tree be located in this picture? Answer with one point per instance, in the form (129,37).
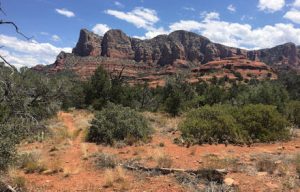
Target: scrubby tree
(212,124)
(117,123)
(263,122)
(97,89)
(228,124)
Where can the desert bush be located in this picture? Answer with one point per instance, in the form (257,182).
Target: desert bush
(7,147)
(227,124)
(211,124)
(292,112)
(118,123)
(27,98)
(263,123)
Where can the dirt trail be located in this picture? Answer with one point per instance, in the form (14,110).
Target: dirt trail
(72,157)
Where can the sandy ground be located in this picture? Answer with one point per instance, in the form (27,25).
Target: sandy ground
(78,172)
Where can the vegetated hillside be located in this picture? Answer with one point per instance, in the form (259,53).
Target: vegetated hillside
(181,51)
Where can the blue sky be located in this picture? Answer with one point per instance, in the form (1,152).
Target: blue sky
(55,24)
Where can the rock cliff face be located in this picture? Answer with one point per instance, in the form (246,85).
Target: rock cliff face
(153,59)
(89,44)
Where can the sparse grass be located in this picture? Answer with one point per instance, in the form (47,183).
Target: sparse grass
(105,160)
(162,121)
(30,162)
(212,161)
(55,166)
(76,133)
(20,183)
(297,163)
(266,165)
(163,160)
(215,187)
(58,130)
(109,178)
(60,134)
(84,150)
(114,177)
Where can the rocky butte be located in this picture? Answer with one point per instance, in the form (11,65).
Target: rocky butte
(152,60)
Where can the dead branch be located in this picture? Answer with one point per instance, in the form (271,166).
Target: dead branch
(14,69)
(16,28)
(1,10)
(216,175)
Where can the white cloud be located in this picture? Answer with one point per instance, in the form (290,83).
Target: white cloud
(241,35)
(296,3)
(139,16)
(65,12)
(118,4)
(55,38)
(246,17)
(44,33)
(100,29)
(293,15)
(231,8)
(188,25)
(210,16)
(28,53)
(271,5)
(189,8)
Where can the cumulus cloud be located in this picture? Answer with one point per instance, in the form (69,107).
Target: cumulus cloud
(139,16)
(118,4)
(100,29)
(241,35)
(209,16)
(231,8)
(55,38)
(271,5)
(293,15)
(296,3)
(28,53)
(65,12)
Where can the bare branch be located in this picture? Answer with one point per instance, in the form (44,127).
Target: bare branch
(16,28)
(1,10)
(14,69)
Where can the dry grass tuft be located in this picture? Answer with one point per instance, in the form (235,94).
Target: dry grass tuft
(30,162)
(212,161)
(116,177)
(163,160)
(105,160)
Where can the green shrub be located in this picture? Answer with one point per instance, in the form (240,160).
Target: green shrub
(7,152)
(118,123)
(292,112)
(212,124)
(227,124)
(263,122)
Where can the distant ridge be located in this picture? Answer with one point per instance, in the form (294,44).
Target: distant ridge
(152,59)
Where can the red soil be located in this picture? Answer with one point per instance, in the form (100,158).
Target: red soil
(81,175)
